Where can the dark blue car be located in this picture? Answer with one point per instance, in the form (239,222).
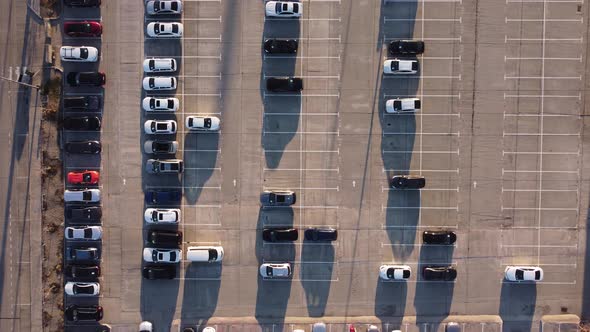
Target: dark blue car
(163,196)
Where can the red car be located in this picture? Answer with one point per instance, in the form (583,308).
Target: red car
(83,28)
(85,177)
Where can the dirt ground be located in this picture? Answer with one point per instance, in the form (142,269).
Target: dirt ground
(53,210)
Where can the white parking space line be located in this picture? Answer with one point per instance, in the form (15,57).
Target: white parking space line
(535,246)
(544,20)
(422,151)
(268,57)
(308,76)
(458,96)
(540,59)
(579,40)
(301,114)
(384,226)
(537,190)
(537,209)
(456,189)
(301,132)
(218,76)
(305,19)
(545,115)
(424,39)
(423,114)
(424,170)
(537,171)
(417,245)
(303,169)
(541,153)
(544,1)
(539,134)
(543,78)
(440,134)
(309,188)
(317,207)
(456,208)
(458,77)
(337,95)
(214,206)
(422,19)
(302,151)
(578,96)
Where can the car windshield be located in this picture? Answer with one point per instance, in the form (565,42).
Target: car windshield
(212,254)
(280,198)
(175,28)
(272,198)
(158,5)
(88,233)
(406,274)
(83,289)
(83,53)
(207,123)
(158,146)
(86,177)
(87,195)
(158,28)
(519,274)
(162,126)
(172,256)
(390,273)
(269,271)
(171,81)
(174,6)
(152,82)
(537,275)
(155,216)
(70,232)
(394,65)
(170,103)
(295,7)
(397,104)
(152,64)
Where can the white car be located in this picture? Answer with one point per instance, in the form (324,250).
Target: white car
(160,127)
(146,326)
(394,272)
(208,123)
(270,270)
(164,29)
(401,105)
(156,255)
(523,273)
(83,195)
(283,9)
(78,53)
(400,67)
(158,83)
(83,233)
(163,7)
(158,216)
(82,288)
(154,104)
(159,65)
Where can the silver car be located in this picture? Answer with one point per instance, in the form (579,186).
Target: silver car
(277,198)
(167,7)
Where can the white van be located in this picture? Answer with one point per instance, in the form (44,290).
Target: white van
(204,254)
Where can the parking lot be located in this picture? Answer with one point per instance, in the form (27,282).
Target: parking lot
(498,139)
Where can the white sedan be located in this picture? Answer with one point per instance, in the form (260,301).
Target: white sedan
(401,105)
(205,123)
(158,216)
(159,83)
(394,272)
(82,288)
(83,196)
(160,127)
(154,104)
(159,65)
(400,67)
(283,9)
(83,233)
(164,29)
(163,7)
(78,53)
(269,270)
(523,273)
(155,255)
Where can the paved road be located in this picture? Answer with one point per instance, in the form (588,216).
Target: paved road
(500,140)
(20,261)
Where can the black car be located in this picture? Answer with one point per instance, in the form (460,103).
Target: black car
(82,3)
(278,46)
(78,313)
(439,237)
(84,214)
(82,123)
(321,234)
(83,147)
(160,147)
(88,78)
(164,238)
(159,272)
(439,273)
(406,47)
(280,234)
(163,196)
(87,103)
(82,254)
(82,271)
(284,84)
(408,182)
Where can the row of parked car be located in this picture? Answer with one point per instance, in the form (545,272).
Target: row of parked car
(83,232)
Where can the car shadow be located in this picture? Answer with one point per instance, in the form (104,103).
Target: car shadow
(433,299)
(201,293)
(272,296)
(390,302)
(517,306)
(160,312)
(281,114)
(199,167)
(316,278)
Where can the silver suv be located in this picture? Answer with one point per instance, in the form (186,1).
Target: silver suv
(158,166)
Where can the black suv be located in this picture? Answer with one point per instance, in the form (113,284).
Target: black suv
(408,182)
(83,147)
(87,103)
(278,46)
(82,254)
(84,214)
(439,237)
(280,234)
(82,3)
(321,234)
(82,123)
(284,84)
(159,272)
(164,238)
(87,78)
(406,47)
(82,271)
(439,273)
(77,313)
